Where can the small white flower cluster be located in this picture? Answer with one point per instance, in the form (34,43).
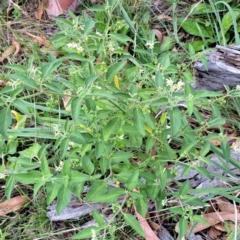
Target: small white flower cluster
(235,147)
(70,146)
(111,46)
(150,44)
(56,130)
(2,175)
(15,84)
(73,45)
(174,87)
(94,236)
(59,168)
(238,87)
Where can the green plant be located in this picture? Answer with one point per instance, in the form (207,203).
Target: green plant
(214,22)
(111,108)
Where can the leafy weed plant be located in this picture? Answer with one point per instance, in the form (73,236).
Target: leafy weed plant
(111,111)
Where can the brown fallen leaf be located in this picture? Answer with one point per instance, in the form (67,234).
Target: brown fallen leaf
(12,205)
(17,46)
(213,219)
(214,233)
(159,35)
(9,51)
(224,204)
(150,235)
(39,12)
(39,40)
(164,17)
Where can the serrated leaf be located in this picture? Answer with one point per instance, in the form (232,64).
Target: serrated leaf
(131,220)
(139,120)
(176,120)
(76,177)
(141,205)
(97,188)
(6,121)
(112,127)
(98,218)
(113,70)
(132,181)
(28,178)
(121,156)
(87,233)
(111,196)
(52,191)
(87,164)
(20,105)
(63,198)
(75,108)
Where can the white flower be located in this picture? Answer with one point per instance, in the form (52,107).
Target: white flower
(238,87)
(70,145)
(150,44)
(235,147)
(59,168)
(2,175)
(180,84)
(79,49)
(94,236)
(121,137)
(72,45)
(169,82)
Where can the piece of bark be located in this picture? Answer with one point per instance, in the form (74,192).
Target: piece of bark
(223,69)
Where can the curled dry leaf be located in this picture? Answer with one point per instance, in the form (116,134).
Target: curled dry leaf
(214,233)
(17,46)
(159,35)
(13,49)
(39,40)
(12,205)
(213,219)
(39,12)
(150,235)
(224,204)
(164,17)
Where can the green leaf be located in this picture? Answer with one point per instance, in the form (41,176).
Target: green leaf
(89,24)
(75,108)
(111,196)
(97,188)
(204,172)
(217,121)
(183,223)
(17,68)
(188,76)
(52,191)
(132,181)
(113,70)
(6,121)
(139,120)
(141,205)
(131,220)
(112,127)
(77,137)
(28,178)
(44,163)
(63,198)
(98,218)
(99,149)
(20,104)
(199,219)
(184,188)
(30,83)
(76,56)
(77,177)
(176,210)
(10,183)
(176,120)
(120,156)
(87,233)
(87,164)
(49,68)
(121,38)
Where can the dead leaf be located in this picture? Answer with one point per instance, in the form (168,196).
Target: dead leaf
(12,205)
(17,46)
(214,233)
(164,17)
(150,235)
(213,219)
(224,204)
(215,142)
(39,40)
(7,53)
(158,35)
(39,12)
(65,100)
